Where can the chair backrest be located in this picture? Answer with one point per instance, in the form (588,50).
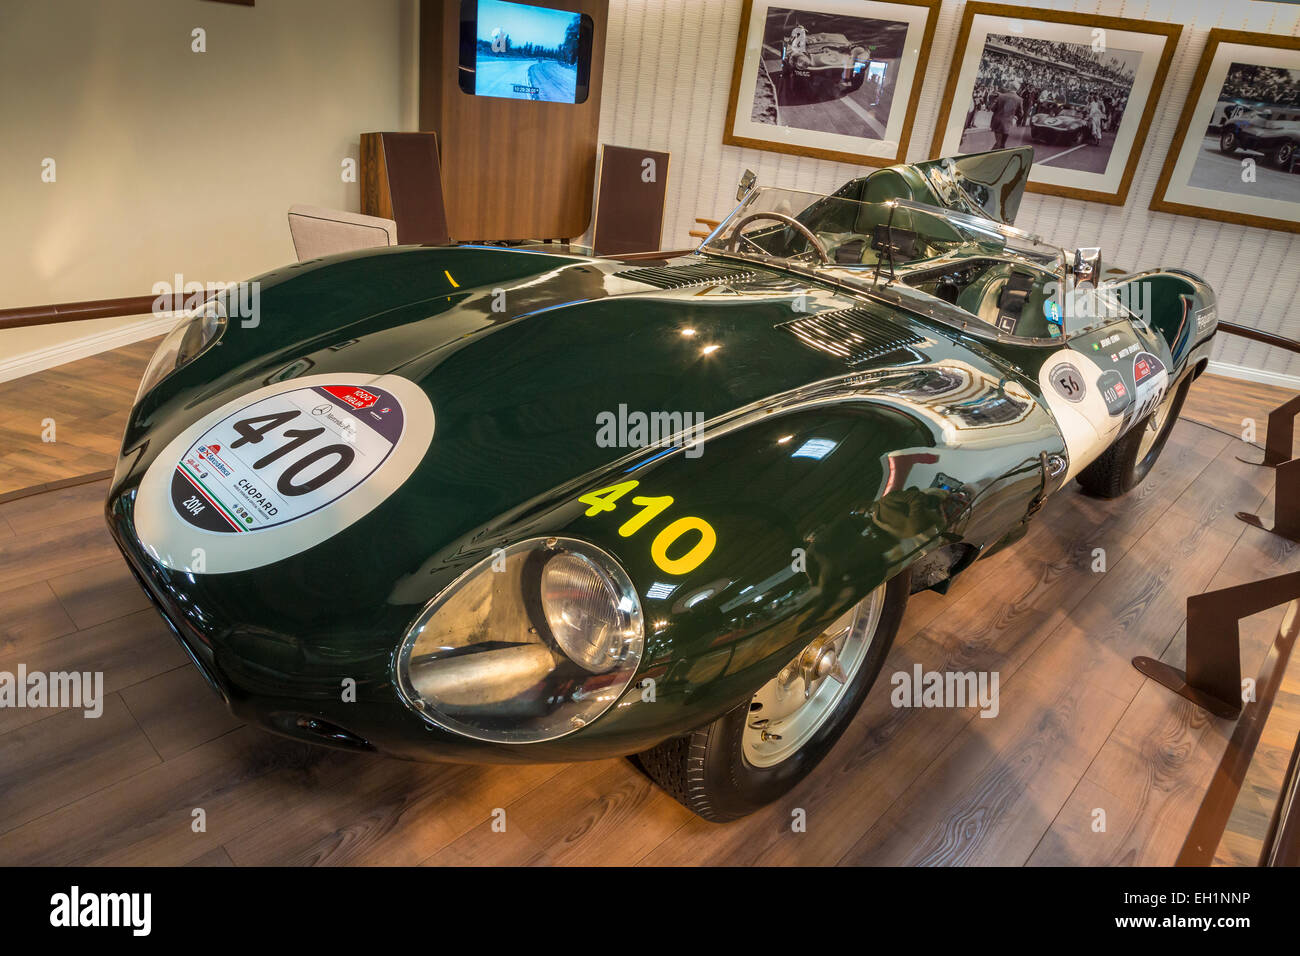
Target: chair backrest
(324,232)
(401,179)
(631,195)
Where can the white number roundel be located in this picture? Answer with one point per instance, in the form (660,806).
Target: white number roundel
(280,470)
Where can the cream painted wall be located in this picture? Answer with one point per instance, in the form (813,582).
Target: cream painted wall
(173,161)
(667,77)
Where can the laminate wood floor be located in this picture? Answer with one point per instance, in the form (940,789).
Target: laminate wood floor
(85,402)
(1078,731)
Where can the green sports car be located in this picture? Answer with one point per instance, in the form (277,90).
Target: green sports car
(493,504)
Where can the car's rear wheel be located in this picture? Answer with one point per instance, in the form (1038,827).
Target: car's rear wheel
(1228,141)
(759,751)
(1124,464)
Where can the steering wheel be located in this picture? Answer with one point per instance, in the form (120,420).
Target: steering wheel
(779,217)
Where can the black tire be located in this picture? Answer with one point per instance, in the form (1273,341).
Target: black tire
(706,770)
(1228,142)
(1119,470)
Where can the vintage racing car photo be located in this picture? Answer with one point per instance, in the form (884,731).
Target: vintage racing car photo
(1275,132)
(821,66)
(1064,124)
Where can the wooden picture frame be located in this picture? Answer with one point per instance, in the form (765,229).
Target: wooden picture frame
(825,123)
(1127,129)
(1181,165)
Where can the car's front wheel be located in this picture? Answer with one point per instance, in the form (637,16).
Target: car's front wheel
(757,752)
(1124,464)
(1228,141)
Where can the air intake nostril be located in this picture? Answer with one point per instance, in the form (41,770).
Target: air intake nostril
(322,731)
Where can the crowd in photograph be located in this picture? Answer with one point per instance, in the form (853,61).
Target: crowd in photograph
(1264,84)
(1074,55)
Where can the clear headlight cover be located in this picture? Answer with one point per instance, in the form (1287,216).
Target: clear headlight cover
(198,328)
(526,646)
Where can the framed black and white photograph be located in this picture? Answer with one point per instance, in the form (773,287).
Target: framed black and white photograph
(1236,155)
(836,79)
(1079,89)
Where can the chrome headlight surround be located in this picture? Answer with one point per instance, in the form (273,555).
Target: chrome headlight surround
(482,659)
(196,331)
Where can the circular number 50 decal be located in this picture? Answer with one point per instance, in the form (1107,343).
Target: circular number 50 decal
(290,464)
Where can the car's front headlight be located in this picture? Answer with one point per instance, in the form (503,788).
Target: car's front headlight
(198,328)
(532,643)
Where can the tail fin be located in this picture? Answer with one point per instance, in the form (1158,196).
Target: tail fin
(980,184)
(989,184)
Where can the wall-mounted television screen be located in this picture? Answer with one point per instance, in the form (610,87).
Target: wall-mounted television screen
(524,52)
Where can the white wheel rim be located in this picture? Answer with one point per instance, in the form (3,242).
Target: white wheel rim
(790,708)
(1155,424)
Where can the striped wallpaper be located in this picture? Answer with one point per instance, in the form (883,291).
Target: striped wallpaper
(667,76)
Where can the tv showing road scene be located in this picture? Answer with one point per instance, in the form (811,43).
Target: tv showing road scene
(524,52)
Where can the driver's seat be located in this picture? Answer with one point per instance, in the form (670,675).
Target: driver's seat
(1012,303)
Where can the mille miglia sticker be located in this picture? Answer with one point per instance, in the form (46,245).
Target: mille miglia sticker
(280,469)
(284,457)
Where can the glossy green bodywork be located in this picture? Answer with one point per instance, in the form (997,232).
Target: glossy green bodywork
(517,394)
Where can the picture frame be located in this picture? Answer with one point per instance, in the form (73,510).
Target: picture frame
(1239,75)
(1090,83)
(832,79)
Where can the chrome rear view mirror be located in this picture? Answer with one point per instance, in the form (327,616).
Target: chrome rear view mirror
(746,184)
(1087,265)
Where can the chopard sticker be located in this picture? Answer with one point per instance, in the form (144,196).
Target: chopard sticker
(284,457)
(292,463)
(1205,318)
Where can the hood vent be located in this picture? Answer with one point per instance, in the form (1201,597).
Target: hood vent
(854,335)
(680,277)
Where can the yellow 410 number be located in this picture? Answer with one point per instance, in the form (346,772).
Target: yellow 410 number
(603,499)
